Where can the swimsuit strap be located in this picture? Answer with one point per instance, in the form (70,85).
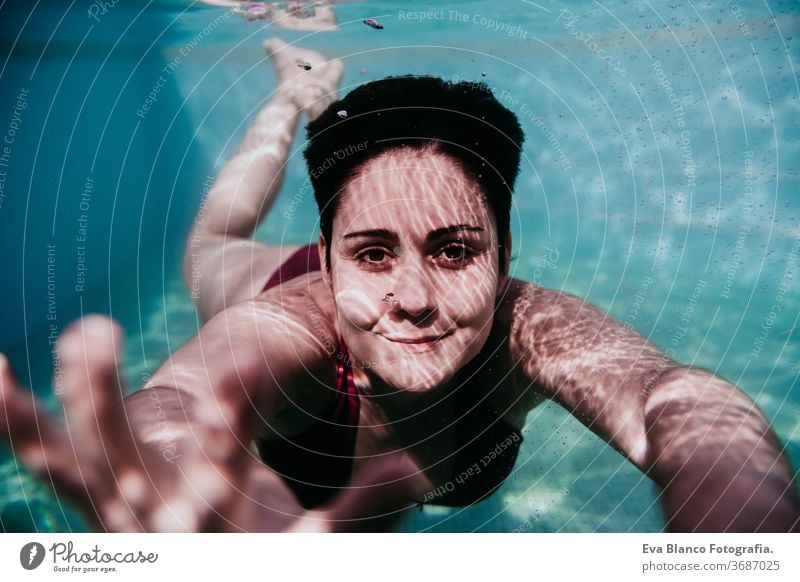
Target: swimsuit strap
(347,406)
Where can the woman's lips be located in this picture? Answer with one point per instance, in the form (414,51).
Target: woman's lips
(421,340)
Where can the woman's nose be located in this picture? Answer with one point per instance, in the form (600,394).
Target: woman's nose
(414,291)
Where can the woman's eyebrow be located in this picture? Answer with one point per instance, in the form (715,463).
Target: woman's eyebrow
(440,232)
(373,233)
(432,235)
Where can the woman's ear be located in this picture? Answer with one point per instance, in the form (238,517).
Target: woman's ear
(506,257)
(503,278)
(322,249)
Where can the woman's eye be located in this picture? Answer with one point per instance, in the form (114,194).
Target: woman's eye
(374,258)
(455,255)
(375,255)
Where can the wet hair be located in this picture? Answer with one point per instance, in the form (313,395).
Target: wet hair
(462,120)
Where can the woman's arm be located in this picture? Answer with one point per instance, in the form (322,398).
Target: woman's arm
(175,456)
(267,348)
(701,439)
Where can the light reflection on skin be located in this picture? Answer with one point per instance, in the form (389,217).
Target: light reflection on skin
(427,236)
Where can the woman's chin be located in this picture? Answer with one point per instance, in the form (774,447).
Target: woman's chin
(416,381)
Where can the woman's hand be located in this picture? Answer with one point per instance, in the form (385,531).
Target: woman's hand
(127,469)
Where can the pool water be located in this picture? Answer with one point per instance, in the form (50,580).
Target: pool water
(659,181)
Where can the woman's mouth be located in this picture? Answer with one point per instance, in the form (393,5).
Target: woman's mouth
(417,341)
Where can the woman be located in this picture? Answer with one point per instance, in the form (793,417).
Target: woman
(394,362)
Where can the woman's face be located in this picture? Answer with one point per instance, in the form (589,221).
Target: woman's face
(414,268)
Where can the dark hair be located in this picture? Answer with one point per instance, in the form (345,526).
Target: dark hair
(462,120)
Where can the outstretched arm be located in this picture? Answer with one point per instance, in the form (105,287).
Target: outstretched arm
(702,440)
(175,456)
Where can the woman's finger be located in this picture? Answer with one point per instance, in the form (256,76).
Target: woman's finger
(35,439)
(91,357)
(88,354)
(24,424)
(103,445)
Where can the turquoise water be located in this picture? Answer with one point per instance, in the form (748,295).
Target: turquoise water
(659,181)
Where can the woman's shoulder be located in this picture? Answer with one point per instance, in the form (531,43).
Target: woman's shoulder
(294,325)
(524,303)
(525,310)
(306,297)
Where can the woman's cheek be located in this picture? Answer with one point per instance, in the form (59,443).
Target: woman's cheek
(357,309)
(472,301)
